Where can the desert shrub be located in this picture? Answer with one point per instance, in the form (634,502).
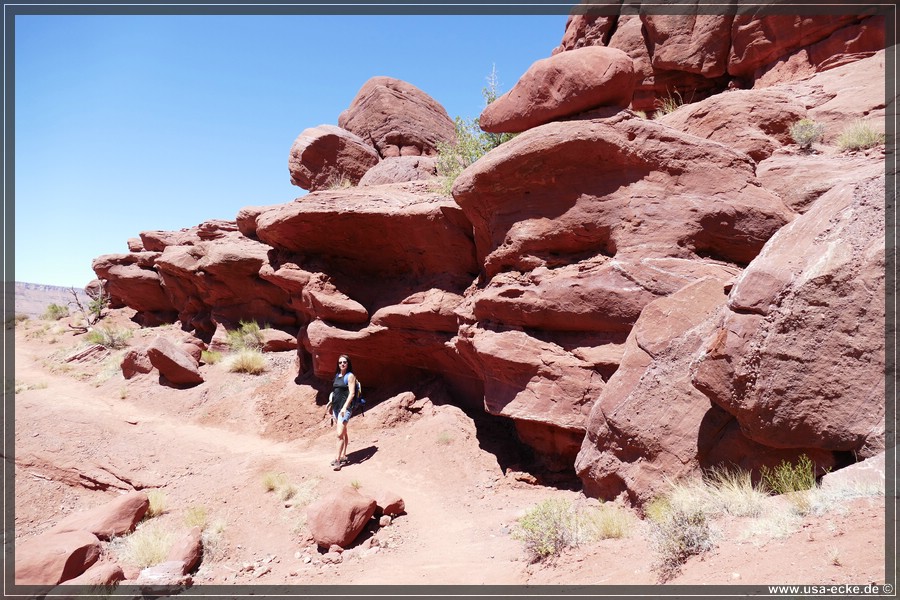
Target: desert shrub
(444,439)
(247,336)
(806,132)
(110,337)
(471,142)
(157,504)
(148,545)
(553,525)
(678,535)
(55,312)
(787,477)
(859,136)
(247,361)
(546,529)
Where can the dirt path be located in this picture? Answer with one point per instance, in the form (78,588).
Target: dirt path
(453,533)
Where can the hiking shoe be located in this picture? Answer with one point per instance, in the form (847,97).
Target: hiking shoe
(345,460)
(336,466)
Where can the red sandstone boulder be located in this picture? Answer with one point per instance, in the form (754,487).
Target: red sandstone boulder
(397,118)
(586,30)
(533,382)
(51,558)
(566,84)
(328,156)
(430,310)
(837,97)
(849,44)
(800,178)
(600,294)
(399,230)
(756,122)
(173,363)
(132,281)
(799,356)
(188,550)
(389,503)
(608,185)
(275,340)
(650,424)
(116,517)
(135,362)
(315,295)
(383,355)
(399,169)
(214,229)
(758,40)
(339,517)
(656,85)
(691,43)
(99,574)
(219,282)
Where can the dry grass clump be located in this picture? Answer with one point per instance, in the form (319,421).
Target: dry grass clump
(157,504)
(148,545)
(210,357)
(272,481)
(247,361)
(859,136)
(247,336)
(610,522)
(196,516)
(285,490)
(669,104)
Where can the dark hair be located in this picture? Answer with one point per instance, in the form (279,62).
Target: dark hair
(337,370)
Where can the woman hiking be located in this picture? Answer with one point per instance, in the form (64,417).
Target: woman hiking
(341,398)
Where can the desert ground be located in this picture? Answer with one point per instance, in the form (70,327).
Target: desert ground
(83,434)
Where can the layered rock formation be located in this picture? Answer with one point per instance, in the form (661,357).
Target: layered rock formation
(693,56)
(643,298)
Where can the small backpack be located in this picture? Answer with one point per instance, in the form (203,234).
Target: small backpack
(358,402)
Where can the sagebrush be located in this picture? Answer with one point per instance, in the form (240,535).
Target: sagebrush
(109,337)
(806,132)
(556,523)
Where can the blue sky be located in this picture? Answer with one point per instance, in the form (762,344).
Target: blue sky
(126,124)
